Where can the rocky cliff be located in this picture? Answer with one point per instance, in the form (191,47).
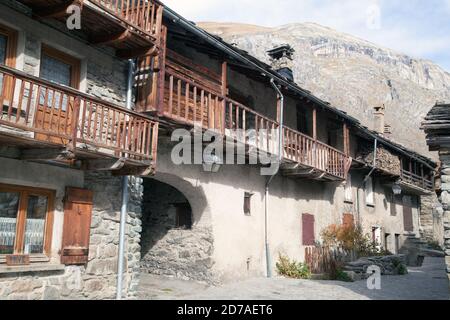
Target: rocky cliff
(352,74)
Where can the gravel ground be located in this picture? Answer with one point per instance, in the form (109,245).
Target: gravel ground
(429,282)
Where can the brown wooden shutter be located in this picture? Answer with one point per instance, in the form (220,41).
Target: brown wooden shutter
(393,204)
(407,214)
(77,226)
(348,220)
(308,230)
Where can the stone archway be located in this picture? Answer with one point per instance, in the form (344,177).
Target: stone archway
(176,237)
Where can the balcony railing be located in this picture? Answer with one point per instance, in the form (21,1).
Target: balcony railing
(189,102)
(56,114)
(419,181)
(144,16)
(303,149)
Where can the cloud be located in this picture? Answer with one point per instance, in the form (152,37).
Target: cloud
(418,28)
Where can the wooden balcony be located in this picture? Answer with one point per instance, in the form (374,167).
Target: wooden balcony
(189,102)
(413,182)
(53,123)
(133,27)
(308,157)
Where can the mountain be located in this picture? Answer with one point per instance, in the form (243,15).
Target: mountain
(352,74)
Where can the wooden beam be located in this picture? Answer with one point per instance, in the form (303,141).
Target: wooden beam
(134,53)
(315,124)
(103,164)
(57,11)
(135,171)
(111,38)
(46,154)
(224,78)
(162,71)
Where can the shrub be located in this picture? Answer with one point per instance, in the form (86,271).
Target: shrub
(292,269)
(434,245)
(401,269)
(343,276)
(351,238)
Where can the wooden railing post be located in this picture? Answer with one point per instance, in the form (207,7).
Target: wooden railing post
(162,71)
(76,114)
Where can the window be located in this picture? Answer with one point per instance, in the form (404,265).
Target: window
(59,67)
(8,45)
(3,42)
(370,200)
(183,216)
(387,237)
(348,189)
(393,204)
(26,218)
(247,203)
(376,237)
(397,244)
(308,230)
(302,121)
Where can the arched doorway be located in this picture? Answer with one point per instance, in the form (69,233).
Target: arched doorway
(174,240)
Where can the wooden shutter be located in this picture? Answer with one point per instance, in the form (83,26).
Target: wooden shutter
(77,225)
(308,230)
(393,204)
(407,214)
(348,220)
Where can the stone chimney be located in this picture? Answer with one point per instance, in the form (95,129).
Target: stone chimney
(281,60)
(378,120)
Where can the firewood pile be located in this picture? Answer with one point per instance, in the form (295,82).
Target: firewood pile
(385,160)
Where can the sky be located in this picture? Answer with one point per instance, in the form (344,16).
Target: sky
(418,28)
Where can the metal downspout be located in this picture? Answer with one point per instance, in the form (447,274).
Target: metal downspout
(266,196)
(374,166)
(124,207)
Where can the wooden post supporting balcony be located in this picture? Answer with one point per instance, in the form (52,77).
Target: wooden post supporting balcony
(162,70)
(315,124)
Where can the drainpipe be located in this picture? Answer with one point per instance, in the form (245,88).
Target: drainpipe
(266,197)
(124,207)
(374,166)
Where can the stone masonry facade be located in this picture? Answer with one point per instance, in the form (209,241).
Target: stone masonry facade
(168,250)
(97,279)
(445,200)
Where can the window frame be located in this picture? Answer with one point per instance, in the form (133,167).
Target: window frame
(348,189)
(370,203)
(248,203)
(24,192)
(75,64)
(11,45)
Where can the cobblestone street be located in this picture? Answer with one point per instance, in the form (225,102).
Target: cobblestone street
(428,282)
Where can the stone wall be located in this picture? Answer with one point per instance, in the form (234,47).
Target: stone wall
(96,280)
(167,249)
(445,199)
(431,222)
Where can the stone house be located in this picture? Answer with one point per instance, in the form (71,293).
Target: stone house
(437,128)
(84,108)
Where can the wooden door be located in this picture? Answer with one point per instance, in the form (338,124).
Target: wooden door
(77,226)
(407,214)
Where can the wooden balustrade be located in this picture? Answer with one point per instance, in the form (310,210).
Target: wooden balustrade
(62,115)
(189,102)
(417,180)
(143,15)
(303,149)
